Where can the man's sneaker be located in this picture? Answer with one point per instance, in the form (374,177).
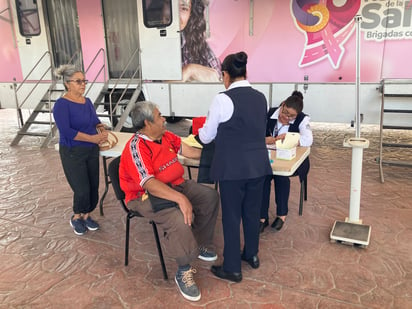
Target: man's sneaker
(186,284)
(91,224)
(78,226)
(207,254)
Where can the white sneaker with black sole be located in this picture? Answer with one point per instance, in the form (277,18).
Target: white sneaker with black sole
(91,224)
(207,255)
(78,225)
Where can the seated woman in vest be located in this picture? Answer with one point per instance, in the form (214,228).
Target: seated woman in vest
(288,117)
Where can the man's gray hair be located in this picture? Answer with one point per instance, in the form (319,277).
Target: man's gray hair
(142,111)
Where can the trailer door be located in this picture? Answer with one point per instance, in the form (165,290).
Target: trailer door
(120,20)
(31,39)
(159,37)
(64,32)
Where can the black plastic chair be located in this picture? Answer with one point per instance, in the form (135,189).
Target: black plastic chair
(303,178)
(303,193)
(114,177)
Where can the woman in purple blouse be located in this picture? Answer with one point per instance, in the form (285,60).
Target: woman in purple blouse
(76,119)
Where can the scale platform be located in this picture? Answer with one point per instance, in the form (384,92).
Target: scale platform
(350,233)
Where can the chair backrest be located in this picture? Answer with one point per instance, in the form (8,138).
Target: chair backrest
(113,170)
(114,178)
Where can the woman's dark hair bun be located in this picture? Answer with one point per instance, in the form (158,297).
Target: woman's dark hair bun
(298,94)
(240,59)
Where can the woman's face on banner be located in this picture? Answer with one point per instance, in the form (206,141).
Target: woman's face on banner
(184,12)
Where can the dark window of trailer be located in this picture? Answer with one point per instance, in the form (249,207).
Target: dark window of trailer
(157,13)
(28,17)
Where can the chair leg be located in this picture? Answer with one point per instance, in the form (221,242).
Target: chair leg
(159,249)
(126,247)
(106,185)
(306,189)
(189,172)
(302,194)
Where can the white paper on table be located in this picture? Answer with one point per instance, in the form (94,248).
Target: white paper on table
(191,141)
(291,140)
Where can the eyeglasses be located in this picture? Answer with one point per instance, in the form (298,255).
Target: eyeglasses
(79,81)
(287,114)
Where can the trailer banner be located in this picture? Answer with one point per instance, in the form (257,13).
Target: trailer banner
(326,28)
(314,40)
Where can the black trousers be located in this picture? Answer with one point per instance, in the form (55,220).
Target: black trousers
(81,167)
(241,200)
(282,190)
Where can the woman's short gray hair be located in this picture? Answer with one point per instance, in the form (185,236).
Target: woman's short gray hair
(142,111)
(65,72)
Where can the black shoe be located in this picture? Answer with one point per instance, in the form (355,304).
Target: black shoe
(263,225)
(277,224)
(218,271)
(253,261)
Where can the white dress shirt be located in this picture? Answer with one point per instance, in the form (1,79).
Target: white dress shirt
(306,137)
(221,110)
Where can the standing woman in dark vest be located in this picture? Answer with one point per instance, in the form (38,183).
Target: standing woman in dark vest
(236,121)
(288,117)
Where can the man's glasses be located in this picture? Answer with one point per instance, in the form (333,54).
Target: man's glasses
(79,81)
(287,114)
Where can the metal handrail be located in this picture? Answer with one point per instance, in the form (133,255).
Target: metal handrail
(35,86)
(101,50)
(5,10)
(111,108)
(31,71)
(16,89)
(41,79)
(10,21)
(122,95)
(2,11)
(50,106)
(77,52)
(102,68)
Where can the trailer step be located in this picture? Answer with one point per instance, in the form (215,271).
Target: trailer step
(108,103)
(108,116)
(41,122)
(33,134)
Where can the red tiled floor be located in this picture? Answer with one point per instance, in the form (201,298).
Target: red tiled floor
(44,265)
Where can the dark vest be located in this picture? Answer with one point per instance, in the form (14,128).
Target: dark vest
(271,123)
(240,149)
(303,170)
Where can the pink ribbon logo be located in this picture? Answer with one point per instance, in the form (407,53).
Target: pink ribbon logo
(327,28)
